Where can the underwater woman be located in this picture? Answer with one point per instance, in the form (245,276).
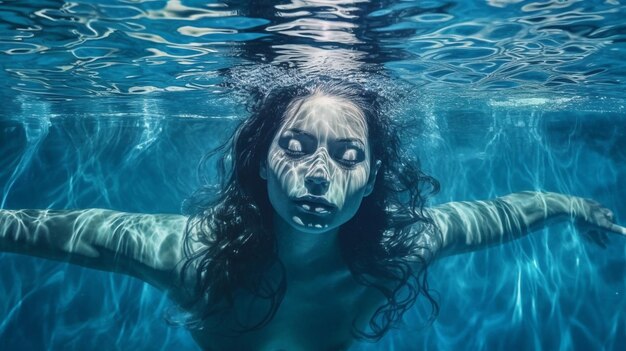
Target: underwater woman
(318,237)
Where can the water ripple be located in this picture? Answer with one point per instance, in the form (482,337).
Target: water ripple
(100,49)
(112,105)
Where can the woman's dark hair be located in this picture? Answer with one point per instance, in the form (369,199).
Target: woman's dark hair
(230,246)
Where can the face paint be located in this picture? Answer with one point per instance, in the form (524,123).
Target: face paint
(318,164)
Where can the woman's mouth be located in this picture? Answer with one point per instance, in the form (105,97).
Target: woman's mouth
(313,208)
(315,205)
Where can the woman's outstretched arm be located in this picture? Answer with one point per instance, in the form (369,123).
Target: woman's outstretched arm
(145,246)
(469,226)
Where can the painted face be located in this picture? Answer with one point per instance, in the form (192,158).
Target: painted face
(318,165)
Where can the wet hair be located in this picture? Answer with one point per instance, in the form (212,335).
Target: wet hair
(387,245)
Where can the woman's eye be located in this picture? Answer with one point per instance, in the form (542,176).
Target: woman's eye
(294,146)
(349,155)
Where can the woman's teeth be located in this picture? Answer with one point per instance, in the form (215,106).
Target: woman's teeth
(317,209)
(299,222)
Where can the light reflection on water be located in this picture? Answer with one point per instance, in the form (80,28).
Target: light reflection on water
(81,48)
(113,105)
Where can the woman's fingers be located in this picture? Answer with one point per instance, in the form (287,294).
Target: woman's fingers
(618,229)
(602,217)
(610,215)
(598,223)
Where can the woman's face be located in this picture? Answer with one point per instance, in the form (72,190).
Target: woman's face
(318,165)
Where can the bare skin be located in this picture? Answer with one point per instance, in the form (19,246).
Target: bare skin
(318,170)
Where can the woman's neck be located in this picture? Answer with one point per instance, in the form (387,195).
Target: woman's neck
(304,252)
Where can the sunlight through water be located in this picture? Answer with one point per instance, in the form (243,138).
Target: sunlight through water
(113,105)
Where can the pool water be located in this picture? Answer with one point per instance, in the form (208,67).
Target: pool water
(113,104)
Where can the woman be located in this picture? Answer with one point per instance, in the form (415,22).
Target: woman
(317,237)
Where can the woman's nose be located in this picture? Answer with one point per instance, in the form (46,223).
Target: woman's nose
(317,179)
(317,185)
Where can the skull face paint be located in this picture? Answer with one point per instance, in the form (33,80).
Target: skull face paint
(318,164)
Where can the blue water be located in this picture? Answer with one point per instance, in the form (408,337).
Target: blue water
(113,105)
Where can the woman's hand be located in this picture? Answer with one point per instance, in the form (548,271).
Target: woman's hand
(469,226)
(594,221)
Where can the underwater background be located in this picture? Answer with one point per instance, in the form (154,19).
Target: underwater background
(112,104)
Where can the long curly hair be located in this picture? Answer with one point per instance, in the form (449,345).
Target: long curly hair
(230,245)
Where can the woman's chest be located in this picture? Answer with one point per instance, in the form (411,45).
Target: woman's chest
(315,314)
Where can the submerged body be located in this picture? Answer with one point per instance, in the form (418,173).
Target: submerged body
(318,167)
(322,299)
(316,313)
